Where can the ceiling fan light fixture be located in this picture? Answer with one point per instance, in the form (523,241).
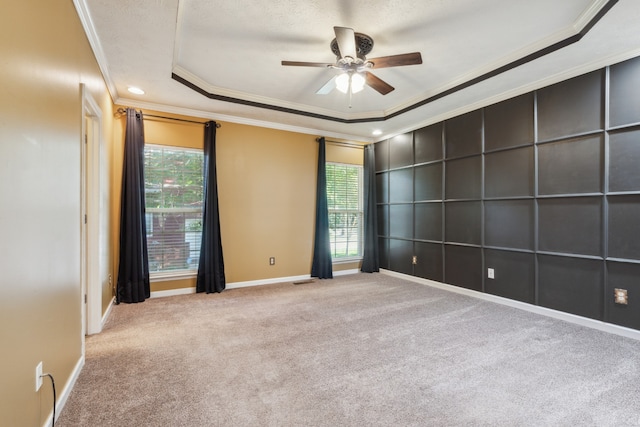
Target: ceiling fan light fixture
(357,82)
(350,79)
(342,82)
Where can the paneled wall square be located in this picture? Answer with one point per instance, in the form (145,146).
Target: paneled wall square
(382,187)
(401,150)
(401,221)
(401,256)
(571,285)
(509,173)
(571,166)
(429,261)
(383,220)
(463,135)
(381,151)
(571,107)
(623,276)
(624,93)
(463,178)
(428,218)
(463,222)
(509,224)
(624,160)
(462,197)
(428,143)
(383,252)
(571,225)
(514,274)
(428,182)
(624,227)
(463,266)
(401,185)
(509,123)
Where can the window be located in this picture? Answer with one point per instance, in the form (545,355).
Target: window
(344,197)
(173,201)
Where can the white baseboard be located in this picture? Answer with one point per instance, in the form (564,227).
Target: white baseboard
(346,272)
(237,285)
(260,282)
(544,311)
(107,313)
(285,279)
(63,395)
(173,292)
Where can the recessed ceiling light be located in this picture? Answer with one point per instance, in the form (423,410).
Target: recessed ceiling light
(135,90)
(376,132)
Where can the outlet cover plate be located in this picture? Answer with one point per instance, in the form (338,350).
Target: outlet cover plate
(38,376)
(621,296)
(491,274)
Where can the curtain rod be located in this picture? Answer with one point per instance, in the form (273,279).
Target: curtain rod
(122,111)
(346,144)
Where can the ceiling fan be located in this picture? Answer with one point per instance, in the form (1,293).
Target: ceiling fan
(351,49)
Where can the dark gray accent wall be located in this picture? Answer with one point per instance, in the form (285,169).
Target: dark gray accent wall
(543,188)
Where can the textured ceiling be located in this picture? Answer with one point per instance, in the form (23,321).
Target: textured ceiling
(180,50)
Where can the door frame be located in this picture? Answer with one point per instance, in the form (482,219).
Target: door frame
(92,159)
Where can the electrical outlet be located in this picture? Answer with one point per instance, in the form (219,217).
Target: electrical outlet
(620,296)
(414,260)
(491,274)
(272,260)
(38,376)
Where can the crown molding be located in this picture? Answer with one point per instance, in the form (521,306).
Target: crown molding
(127,102)
(520,90)
(96,46)
(568,36)
(198,84)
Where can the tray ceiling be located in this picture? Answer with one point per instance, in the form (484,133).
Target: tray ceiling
(221,60)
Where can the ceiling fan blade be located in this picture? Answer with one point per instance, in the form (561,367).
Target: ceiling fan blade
(397,60)
(307,64)
(327,87)
(346,39)
(378,84)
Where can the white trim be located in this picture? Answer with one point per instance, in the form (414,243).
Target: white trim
(516,91)
(236,285)
(346,272)
(164,276)
(107,313)
(240,120)
(346,260)
(212,89)
(96,46)
(261,282)
(548,312)
(92,149)
(173,292)
(588,15)
(66,391)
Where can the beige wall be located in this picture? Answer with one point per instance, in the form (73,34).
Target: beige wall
(266,184)
(45,57)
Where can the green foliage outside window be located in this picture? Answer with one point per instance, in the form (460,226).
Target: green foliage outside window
(344,200)
(173,201)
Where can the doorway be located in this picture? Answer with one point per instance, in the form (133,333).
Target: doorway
(94,262)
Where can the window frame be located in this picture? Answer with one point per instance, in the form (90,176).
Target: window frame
(360,212)
(177,274)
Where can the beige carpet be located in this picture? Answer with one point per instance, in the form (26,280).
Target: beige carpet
(362,350)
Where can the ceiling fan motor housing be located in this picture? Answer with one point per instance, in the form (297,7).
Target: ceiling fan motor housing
(364,44)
